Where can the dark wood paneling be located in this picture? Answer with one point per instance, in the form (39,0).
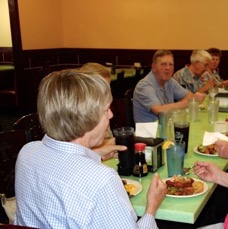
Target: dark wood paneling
(44,61)
(6,55)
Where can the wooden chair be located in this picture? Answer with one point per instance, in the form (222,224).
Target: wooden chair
(10,144)
(146,70)
(120,84)
(122,111)
(129,107)
(31,125)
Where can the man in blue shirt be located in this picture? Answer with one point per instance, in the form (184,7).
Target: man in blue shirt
(158,91)
(60,181)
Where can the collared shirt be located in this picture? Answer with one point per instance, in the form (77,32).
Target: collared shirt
(65,185)
(148,93)
(186,78)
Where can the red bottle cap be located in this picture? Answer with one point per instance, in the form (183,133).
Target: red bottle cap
(140,146)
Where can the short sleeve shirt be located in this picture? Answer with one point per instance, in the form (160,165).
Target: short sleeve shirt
(186,78)
(148,93)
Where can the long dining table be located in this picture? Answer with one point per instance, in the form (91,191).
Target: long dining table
(181,209)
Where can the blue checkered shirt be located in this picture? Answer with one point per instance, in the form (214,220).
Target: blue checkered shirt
(65,185)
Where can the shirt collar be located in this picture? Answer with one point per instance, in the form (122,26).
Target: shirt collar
(69,147)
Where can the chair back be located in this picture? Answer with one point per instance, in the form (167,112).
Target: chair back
(146,70)
(120,84)
(31,125)
(10,144)
(129,107)
(122,109)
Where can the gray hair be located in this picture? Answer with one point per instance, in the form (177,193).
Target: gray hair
(71,103)
(200,56)
(161,53)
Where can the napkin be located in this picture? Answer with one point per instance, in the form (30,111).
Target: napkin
(210,138)
(221,90)
(146,129)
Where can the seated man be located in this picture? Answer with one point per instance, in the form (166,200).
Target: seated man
(60,181)
(190,75)
(158,91)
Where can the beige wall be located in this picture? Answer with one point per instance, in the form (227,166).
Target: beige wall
(131,24)
(41,24)
(5,34)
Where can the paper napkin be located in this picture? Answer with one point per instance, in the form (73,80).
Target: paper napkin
(211,137)
(146,130)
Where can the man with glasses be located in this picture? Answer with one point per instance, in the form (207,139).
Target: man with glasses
(191,75)
(158,91)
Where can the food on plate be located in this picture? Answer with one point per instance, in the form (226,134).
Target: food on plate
(211,149)
(130,188)
(183,186)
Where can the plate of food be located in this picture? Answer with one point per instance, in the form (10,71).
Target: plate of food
(132,187)
(210,150)
(184,187)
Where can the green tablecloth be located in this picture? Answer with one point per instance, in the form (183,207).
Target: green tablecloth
(184,210)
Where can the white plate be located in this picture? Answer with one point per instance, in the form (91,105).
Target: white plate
(195,149)
(137,185)
(205,188)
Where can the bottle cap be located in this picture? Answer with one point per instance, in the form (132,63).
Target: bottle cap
(140,146)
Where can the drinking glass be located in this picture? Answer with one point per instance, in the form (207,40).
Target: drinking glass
(213,109)
(124,136)
(181,130)
(193,106)
(175,159)
(213,92)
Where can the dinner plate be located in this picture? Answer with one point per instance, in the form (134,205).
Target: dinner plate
(137,185)
(195,149)
(205,188)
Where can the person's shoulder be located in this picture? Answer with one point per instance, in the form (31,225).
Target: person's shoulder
(147,80)
(31,145)
(102,175)
(179,71)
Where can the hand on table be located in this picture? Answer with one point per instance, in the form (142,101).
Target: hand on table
(200,96)
(155,195)
(222,147)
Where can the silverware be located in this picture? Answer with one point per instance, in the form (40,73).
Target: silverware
(186,170)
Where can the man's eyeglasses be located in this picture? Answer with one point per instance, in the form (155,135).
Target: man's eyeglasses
(206,65)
